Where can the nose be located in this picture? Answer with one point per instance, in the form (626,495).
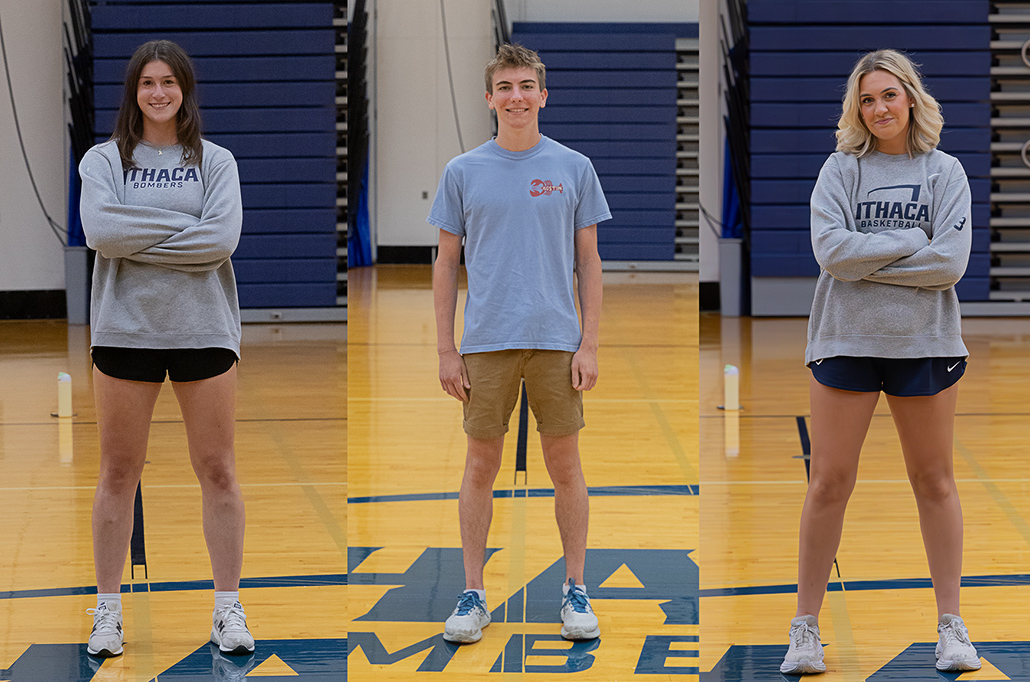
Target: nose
(881,107)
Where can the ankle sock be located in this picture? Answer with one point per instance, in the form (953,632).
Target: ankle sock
(113,600)
(480,593)
(224,599)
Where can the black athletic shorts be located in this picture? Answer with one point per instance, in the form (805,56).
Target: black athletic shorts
(151,364)
(902,377)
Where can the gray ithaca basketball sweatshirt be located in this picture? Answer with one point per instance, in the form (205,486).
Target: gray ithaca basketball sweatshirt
(163,233)
(892,235)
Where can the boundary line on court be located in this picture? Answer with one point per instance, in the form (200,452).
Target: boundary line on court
(1015,580)
(329,580)
(599,491)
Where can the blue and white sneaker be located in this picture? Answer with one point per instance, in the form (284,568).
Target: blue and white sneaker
(229,630)
(578,619)
(466,623)
(106,638)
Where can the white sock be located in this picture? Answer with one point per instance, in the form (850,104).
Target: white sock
(224,599)
(481,593)
(113,600)
(579,588)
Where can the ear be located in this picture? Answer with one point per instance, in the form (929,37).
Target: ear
(490,100)
(543,98)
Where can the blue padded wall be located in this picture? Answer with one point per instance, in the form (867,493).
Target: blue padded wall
(267,86)
(801,54)
(612,96)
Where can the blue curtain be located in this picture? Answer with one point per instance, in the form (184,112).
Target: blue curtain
(359,239)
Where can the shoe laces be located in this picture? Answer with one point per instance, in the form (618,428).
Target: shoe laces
(104,619)
(467,602)
(233,618)
(579,601)
(803,634)
(953,632)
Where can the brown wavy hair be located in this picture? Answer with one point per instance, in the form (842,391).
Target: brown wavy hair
(128,126)
(513,56)
(925,120)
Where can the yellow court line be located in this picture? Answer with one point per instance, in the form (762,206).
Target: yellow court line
(448,399)
(161,485)
(1015,518)
(844,638)
(982,480)
(690,470)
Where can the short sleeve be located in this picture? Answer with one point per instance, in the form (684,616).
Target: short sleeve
(448,210)
(592,207)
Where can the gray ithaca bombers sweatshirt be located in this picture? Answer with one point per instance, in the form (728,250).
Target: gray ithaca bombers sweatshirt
(892,235)
(163,233)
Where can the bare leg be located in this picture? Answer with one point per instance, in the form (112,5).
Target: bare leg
(840,420)
(209,411)
(571,503)
(476,504)
(926,426)
(124,411)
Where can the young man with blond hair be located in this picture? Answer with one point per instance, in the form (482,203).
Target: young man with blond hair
(527,208)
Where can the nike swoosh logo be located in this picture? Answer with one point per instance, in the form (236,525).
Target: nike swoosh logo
(819,362)
(955,365)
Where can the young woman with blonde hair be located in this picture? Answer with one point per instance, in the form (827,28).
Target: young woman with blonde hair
(891,232)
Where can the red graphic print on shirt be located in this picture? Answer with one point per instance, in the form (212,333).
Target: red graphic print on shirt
(541,187)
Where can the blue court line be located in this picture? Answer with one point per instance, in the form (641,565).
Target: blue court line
(186,586)
(1017,580)
(600,491)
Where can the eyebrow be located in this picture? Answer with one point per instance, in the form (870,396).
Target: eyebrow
(521,82)
(170,75)
(889,87)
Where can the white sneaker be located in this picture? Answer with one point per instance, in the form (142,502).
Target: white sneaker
(805,655)
(577,617)
(954,650)
(106,637)
(229,630)
(466,622)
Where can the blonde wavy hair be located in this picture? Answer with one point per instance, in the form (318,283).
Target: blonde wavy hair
(925,119)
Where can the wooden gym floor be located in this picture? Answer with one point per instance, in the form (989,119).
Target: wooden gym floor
(406,453)
(878,621)
(291,435)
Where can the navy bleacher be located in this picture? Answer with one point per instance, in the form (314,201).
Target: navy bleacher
(612,91)
(801,52)
(267,86)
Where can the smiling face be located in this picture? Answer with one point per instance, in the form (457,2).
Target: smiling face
(886,109)
(159,97)
(517,99)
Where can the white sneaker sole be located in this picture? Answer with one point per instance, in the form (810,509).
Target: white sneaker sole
(104,653)
(238,651)
(464,637)
(581,634)
(945,666)
(803,667)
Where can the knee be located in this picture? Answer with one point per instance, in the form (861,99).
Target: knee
(933,486)
(218,476)
(830,488)
(119,481)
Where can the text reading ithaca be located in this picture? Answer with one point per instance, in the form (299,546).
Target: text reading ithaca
(142,178)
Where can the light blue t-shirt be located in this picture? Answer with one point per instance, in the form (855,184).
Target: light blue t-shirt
(518,213)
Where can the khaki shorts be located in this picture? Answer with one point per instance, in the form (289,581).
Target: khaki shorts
(494,377)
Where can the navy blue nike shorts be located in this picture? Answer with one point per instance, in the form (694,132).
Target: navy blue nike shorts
(902,377)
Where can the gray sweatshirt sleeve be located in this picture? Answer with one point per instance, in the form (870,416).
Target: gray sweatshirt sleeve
(941,263)
(113,229)
(845,253)
(206,244)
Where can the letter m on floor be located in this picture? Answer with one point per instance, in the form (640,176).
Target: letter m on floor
(440,651)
